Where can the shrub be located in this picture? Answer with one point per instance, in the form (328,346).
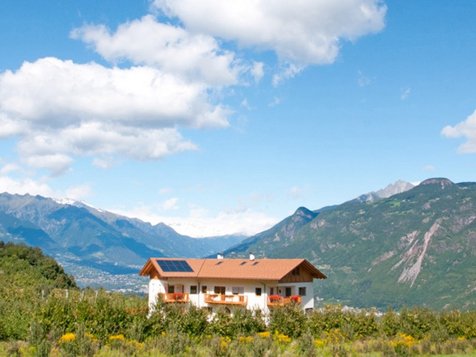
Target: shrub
(289,320)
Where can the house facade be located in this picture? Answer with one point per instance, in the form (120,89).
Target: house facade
(217,283)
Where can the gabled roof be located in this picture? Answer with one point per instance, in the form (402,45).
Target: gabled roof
(258,269)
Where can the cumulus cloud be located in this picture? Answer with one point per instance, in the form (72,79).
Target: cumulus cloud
(25,186)
(60,109)
(200,223)
(146,41)
(9,168)
(466,129)
(303,32)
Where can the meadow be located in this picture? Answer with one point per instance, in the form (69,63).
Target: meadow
(98,323)
(43,313)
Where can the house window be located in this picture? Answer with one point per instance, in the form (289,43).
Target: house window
(297,271)
(302,291)
(171,289)
(193,289)
(288,292)
(271,291)
(220,290)
(235,290)
(204,289)
(258,291)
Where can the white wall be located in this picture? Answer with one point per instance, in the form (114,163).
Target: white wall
(155,287)
(254,302)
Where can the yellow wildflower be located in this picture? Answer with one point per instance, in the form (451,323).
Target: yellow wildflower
(68,337)
(117,337)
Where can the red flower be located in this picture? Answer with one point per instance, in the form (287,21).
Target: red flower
(178,296)
(273,298)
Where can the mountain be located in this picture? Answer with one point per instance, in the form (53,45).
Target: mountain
(80,236)
(390,190)
(417,247)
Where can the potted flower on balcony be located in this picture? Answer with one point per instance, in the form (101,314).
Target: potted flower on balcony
(295,298)
(178,296)
(275,298)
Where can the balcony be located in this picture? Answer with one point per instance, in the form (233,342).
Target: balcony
(174,297)
(276,300)
(226,299)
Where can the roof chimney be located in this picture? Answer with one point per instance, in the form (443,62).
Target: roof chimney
(252,256)
(219,255)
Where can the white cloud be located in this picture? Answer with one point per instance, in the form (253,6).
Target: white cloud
(79,192)
(429,168)
(165,190)
(244,103)
(23,183)
(295,193)
(302,32)
(200,223)
(60,109)
(363,80)
(25,186)
(8,168)
(466,129)
(275,101)
(9,127)
(257,71)
(170,204)
(405,93)
(58,164)
(55,93)
(172,49)
(287,71)
(104,162)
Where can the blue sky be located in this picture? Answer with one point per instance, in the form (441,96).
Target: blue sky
(220,117)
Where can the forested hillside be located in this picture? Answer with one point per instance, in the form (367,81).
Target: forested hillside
(26,276)
(414,248)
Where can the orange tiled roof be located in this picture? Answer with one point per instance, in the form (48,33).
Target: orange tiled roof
(258,269)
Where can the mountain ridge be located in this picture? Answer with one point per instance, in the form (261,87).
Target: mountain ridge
(93,241)
(413,248)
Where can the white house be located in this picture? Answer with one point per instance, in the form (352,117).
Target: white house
(212,283)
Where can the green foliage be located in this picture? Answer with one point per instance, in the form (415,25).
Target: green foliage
(239,322)
(365,248)
(351,324)
(51,275)
(289,320)
(27,277)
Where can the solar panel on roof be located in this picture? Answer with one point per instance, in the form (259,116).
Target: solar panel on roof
(174,266)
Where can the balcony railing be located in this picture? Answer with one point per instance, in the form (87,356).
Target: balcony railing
(276,300)
(174,297)
(226,299)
